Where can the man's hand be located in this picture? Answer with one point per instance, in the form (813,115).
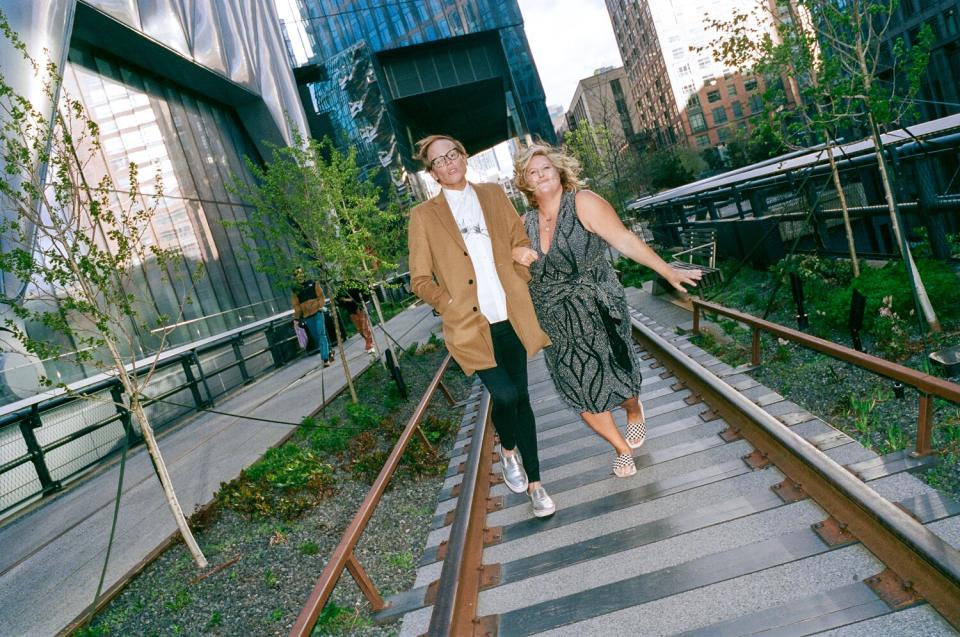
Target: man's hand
(524,256)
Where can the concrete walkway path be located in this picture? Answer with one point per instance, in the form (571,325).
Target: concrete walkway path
(52,554)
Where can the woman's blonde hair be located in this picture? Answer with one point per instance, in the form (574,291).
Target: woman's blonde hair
(566,165)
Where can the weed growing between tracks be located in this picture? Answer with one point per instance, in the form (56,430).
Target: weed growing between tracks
(271,530)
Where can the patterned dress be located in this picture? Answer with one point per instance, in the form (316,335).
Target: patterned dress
(582,307)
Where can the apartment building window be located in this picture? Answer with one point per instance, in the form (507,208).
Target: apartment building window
(737,109)
(950,26)
(678,52)
(694,102)
(731,89)
(750,85)
(698,123)
(703,140)
(713,96)
(723,134)
(756,104)
(719,115)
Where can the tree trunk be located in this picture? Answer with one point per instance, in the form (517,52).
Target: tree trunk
(161,467)
(343,352)
(383,326)
(912,275)
(846,211)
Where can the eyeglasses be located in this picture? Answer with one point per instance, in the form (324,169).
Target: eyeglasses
(443,160)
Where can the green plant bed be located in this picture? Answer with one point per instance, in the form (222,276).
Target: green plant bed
(270,531)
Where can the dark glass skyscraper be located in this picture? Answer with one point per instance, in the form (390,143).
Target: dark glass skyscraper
(378,75)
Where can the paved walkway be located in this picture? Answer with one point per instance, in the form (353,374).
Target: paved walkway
(52,555)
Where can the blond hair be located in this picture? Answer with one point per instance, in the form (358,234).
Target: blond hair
(424,144)
(566,165)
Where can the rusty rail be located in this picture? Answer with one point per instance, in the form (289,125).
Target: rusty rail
(923,560)
(463,573)
(343,556)
(927,385)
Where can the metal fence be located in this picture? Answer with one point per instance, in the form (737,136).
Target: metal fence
(50,440)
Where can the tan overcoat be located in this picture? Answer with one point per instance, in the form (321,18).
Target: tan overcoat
(442,274)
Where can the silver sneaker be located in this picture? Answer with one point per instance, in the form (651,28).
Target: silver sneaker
(513,474)
(542,503)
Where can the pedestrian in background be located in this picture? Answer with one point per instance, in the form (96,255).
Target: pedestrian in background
(460,263)
(578,299)
(351,300)
(308,300)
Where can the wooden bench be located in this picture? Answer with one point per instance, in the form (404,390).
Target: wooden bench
(699,244)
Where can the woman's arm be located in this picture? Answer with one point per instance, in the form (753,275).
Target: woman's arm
(600,218)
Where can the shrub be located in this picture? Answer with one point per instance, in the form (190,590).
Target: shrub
(287,481)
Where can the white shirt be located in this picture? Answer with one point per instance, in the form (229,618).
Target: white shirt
(473,228)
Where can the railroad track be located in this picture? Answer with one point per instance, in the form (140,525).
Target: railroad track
(747,515)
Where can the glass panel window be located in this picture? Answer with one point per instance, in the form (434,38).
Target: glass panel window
(750,85)
(697,122)
(737,109)
(713,96)
(719,115)
(703,140)
(731,89)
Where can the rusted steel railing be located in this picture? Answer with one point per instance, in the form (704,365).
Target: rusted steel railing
(343,556)
(455,608)
(928,386)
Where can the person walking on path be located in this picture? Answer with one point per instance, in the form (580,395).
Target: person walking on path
(578,299)
(307,300)
(460,244)
(351,300)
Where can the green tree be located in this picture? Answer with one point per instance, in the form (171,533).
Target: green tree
(608,163)
(80,243)
(833,56)
(312,207)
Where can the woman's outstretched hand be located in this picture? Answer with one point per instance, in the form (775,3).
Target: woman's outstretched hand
(524,256)
(679,278)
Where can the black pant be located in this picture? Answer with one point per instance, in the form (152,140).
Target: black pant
(507,383)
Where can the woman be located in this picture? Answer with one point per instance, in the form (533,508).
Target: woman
(578,299)
(307,300)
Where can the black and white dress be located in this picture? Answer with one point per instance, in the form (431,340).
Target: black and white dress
(582,307)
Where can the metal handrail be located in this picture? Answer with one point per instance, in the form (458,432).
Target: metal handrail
(343,557)
(928,385)
(28,414)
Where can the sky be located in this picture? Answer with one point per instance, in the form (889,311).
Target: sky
(569,39)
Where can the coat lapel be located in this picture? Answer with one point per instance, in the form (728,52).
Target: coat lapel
(441,210)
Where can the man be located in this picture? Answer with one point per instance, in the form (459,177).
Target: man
(460,263)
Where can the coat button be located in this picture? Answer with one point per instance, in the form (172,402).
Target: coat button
(470,282)
(474,308)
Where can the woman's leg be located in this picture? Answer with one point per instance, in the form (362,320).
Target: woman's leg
(604,425)
(635,416)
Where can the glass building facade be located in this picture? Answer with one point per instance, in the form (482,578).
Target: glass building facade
(217,89)
(318,32)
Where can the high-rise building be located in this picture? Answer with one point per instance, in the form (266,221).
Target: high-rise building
(184,89)
(940,88)
(681,92)
(636,28)
(603,100)
(380,76)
